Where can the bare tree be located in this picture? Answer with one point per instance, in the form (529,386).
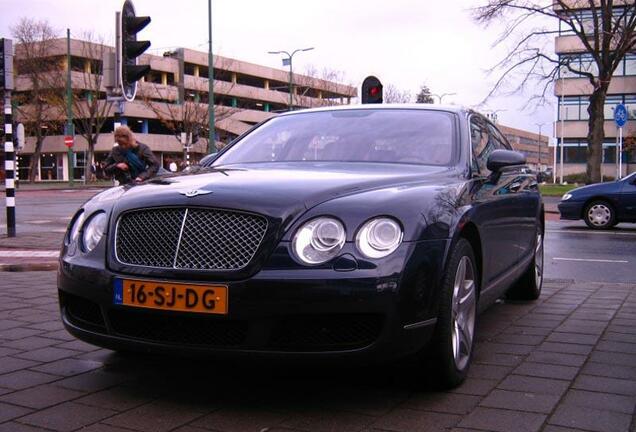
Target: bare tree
(35,60)
(392,94)
(190,116)
(607,33)
(89,104)
(330,87)
(424,96)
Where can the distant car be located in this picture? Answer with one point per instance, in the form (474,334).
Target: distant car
(601,205)
(361,233)
(545,175)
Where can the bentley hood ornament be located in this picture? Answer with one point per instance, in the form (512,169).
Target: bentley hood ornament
(195,192)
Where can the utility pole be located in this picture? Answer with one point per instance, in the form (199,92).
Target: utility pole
(6,84)
(212,135)
(70,130)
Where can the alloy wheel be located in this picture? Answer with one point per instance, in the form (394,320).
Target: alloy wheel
(538,260)
(463,312)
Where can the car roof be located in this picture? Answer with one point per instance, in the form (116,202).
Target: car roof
(425,107)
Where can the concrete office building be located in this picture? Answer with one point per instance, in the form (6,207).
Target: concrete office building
(573,93)
(244,94)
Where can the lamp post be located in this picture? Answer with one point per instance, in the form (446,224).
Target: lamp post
(540,126)
(440,97)
(288,61)
(562,115)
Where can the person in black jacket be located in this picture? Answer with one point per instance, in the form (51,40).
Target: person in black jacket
(130,161)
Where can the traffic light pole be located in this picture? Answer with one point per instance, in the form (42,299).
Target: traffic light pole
(9,164)
(69,109)
(211,135)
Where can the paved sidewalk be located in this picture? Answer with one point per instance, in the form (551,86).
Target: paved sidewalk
(564,363)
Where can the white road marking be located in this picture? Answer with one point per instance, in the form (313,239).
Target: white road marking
(29,254)
(583,231)
(591,260)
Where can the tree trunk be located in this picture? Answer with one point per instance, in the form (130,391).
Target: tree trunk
(595,135)
(88,175)
(33,166)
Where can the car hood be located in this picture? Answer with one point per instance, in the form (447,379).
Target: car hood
(596,188)
(277,190)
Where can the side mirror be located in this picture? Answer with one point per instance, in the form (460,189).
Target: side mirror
(499,159)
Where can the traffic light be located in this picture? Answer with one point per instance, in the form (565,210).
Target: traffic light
(371,90)
(131,48)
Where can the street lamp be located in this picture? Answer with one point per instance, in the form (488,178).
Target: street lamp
(540,126)
(442,95)
(288,61)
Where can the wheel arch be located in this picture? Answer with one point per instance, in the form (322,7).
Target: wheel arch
(604,198)
(468,230)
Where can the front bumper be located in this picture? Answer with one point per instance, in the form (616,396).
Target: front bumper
(372,313)
(570,210)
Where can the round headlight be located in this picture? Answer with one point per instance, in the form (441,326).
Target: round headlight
(76,224)
(319,240)
(94,229)
(379,237)
(566,197)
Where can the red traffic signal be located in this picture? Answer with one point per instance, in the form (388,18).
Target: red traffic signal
(371,90)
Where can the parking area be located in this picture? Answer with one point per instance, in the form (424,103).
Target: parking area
(566,362)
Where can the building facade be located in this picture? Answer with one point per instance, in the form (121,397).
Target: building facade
(534,146)
(573,91)
(172,98)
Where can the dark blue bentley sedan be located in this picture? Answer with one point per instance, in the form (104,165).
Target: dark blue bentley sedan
(350,233)
(601,205)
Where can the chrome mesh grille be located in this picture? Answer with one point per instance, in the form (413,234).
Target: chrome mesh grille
(197,239)
(149,238)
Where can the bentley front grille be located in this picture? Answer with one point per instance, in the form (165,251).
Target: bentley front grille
(188,238)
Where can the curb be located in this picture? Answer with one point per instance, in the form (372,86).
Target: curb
(28,267)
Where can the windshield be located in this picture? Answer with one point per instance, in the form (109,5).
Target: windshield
(396,136)
(630,177)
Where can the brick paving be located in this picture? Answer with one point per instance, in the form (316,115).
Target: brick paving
(564,363)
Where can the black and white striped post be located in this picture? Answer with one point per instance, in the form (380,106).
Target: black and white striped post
(9,164)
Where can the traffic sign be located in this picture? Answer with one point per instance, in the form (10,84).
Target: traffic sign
(620,115)
(68,141)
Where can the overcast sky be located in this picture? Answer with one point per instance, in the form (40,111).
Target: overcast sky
(402,42)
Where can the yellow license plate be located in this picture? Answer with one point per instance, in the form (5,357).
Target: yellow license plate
(211,299)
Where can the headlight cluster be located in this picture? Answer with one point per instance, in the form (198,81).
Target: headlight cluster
(91,230)
(566,197)
(379,237)
(321,239)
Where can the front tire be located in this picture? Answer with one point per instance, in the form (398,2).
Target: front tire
(599,215)
(452,345)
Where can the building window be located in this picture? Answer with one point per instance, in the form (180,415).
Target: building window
(569,108)
(630,104)
(630,65)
